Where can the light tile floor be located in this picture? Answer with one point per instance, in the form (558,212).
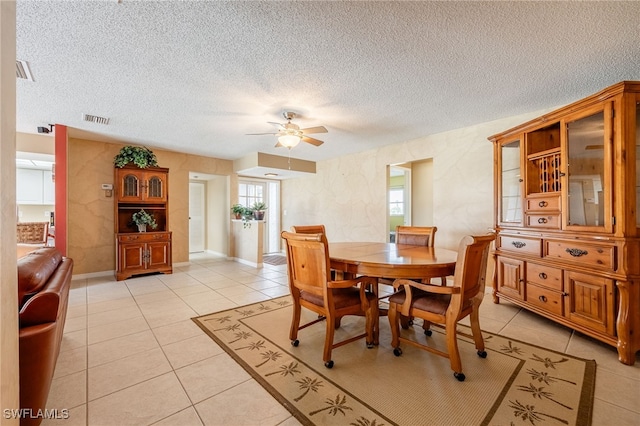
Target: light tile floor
(131,354)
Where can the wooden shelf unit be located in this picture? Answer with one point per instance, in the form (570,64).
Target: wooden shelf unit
(137,252)
(568,231)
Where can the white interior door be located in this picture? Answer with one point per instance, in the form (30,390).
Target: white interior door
(196,217)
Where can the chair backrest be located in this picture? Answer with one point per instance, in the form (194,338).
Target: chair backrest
(309,229)
(471,265)
(416,235)
(307,262)
(32,232)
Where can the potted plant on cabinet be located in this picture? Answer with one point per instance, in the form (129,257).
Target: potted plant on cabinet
(141,156)
(258,210)
(142,219)
(238,210)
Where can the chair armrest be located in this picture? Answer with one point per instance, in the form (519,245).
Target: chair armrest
(438,289)
(364,283)
(40,309)
(351,283)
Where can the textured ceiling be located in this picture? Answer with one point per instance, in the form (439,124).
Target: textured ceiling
(197,76)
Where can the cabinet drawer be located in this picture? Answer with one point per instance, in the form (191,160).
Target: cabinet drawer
(542,204)
(544,276)
(594,255)
(520,245)
(543,221)
(144,237)
(544,298)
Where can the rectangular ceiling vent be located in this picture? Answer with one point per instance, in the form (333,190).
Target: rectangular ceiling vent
(95,119)
(23,71)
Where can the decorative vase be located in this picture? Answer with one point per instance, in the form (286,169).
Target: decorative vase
(142,227)
(258,215)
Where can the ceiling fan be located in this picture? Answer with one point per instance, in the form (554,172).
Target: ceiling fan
(290,134)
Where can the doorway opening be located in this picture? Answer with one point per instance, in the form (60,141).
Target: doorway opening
(409,195)
(208,214)
(251,191)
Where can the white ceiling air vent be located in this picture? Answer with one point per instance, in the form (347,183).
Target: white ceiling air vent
(95,119)
(23,71)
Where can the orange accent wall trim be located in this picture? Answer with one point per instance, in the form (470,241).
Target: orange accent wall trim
(60,208)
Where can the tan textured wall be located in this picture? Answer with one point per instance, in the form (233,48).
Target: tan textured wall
(422,193)
(351,200)
(91,214)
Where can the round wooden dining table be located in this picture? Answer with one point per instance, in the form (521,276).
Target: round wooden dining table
(390,260)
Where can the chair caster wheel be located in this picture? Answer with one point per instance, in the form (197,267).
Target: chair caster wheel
(397,351)
(482,354)
(370,345)
(295,343)
(428,333)
(459,376)
(410,322)
(329,364)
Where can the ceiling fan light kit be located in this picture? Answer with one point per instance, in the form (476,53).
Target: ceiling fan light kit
(288,141)
(290,134)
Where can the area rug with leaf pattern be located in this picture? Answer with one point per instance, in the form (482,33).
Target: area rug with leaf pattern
(517,384)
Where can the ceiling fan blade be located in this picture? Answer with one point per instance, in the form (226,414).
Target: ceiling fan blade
(278,125)
(278,145)
(253,134)
(317,129)
(312,141)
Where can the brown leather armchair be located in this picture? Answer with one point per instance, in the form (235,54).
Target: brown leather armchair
(44,278)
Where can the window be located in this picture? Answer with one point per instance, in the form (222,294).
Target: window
(396,201)
(249,193)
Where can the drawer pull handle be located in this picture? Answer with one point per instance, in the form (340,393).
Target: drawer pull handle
(543,204)
(542,275)
(518,244)
(576,252)
(543,299)
(542,220)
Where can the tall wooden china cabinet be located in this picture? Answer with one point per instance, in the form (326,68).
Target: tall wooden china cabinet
(567,193)
(142,252)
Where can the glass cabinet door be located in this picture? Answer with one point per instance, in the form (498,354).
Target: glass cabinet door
(510,183)
(130,186)
(587,188)
(154,189)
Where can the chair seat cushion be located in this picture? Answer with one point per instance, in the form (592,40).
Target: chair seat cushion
(342,297)
(436,303)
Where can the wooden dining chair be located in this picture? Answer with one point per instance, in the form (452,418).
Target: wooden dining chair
(32,232)
(31,236)
(309,229)
(418,236)
(311,288)
(445,305)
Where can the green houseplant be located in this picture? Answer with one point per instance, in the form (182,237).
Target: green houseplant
(238,210)
(144,219)
(258,210)
(141,156)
